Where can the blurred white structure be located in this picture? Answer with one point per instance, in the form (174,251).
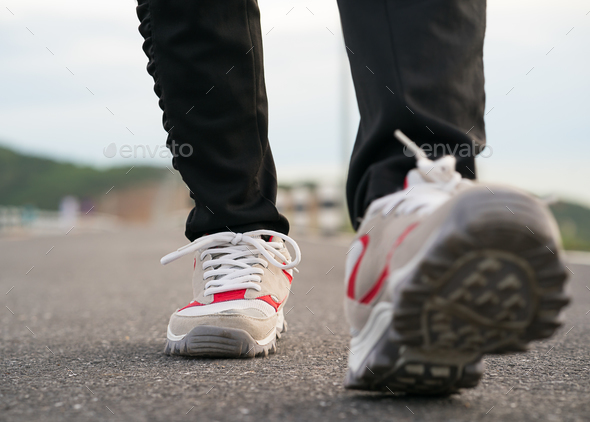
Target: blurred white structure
(283,201)
(301,199)
(69,208)
(313,209)
(330,214)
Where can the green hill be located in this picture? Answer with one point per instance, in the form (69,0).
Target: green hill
(574,224)
(42,182)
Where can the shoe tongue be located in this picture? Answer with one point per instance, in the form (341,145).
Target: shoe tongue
(264,237)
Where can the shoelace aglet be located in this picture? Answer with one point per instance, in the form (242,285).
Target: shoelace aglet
(411,145)
(172,256)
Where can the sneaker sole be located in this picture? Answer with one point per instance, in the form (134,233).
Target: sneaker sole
(490,290)
(207,341)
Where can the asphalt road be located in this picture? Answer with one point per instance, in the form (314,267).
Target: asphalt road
(82,335)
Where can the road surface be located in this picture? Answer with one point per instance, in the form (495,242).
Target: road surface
(84,317)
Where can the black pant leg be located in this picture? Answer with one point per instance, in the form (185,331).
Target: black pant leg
(206,60)
(417,66)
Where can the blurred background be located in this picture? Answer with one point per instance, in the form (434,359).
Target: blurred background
(81,142)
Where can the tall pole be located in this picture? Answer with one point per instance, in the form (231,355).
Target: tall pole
(345,133)
(345,136)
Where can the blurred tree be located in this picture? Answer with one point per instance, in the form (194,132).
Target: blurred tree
(41,182)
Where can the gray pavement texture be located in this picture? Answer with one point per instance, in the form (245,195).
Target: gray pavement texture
(82,338)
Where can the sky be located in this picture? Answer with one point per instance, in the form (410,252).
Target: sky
(74,82)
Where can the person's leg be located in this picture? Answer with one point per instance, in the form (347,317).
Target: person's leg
(206,61)
(442,270)
(417,66)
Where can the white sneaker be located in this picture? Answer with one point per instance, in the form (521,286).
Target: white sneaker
(237,310)
(443,272)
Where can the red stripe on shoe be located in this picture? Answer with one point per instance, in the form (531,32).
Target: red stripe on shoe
(190,305)
(376,287)
(220,297)
(268,299)
(225,296)
(289,276)
(371,294)
(352,280)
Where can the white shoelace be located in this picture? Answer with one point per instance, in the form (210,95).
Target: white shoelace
(430,185)
(232,258)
